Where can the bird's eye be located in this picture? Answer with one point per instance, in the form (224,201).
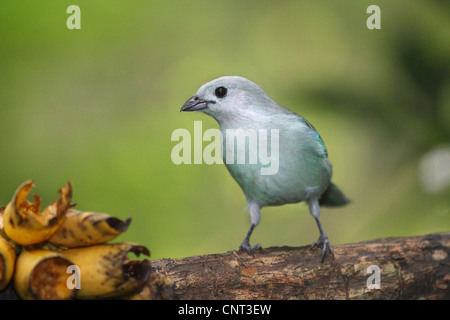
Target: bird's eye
(220,92)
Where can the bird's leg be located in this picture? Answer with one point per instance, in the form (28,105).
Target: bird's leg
(323,240)
(314,208)
(255,218)
(245,245)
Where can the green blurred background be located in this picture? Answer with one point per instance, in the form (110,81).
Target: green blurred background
(97,107)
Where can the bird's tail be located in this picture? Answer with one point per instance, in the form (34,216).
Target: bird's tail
(333,197)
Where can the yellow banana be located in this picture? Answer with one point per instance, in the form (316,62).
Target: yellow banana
(43,274)
(87,228)
(24,224)
(7,262)
(107,272)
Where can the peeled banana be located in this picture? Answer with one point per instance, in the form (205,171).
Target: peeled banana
(87,228)
(43,274)
(24,224)
(107,272)
(7,262)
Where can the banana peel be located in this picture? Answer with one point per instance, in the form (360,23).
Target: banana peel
(107,272)
(42,275)
(7,262)
(24,224)
(39,251)
(81,229)
(2,232)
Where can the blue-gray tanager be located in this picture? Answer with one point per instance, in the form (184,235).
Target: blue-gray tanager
(302,172)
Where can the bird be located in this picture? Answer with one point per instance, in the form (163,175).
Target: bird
(304,170)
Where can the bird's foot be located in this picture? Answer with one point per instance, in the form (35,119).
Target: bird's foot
(323,241)
(245,245)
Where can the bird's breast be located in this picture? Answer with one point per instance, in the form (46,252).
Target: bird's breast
(274,165)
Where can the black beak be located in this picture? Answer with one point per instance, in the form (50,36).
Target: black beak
(194,104)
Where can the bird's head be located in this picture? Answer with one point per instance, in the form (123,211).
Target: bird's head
(229,98)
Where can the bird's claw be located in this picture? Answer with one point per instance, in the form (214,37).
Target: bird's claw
(250,249)
(323,241)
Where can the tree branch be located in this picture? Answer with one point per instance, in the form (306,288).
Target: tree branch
(410,268)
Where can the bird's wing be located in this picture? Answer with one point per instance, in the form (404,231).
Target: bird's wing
(313,132)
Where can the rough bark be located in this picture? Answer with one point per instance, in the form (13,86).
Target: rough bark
(411,268)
